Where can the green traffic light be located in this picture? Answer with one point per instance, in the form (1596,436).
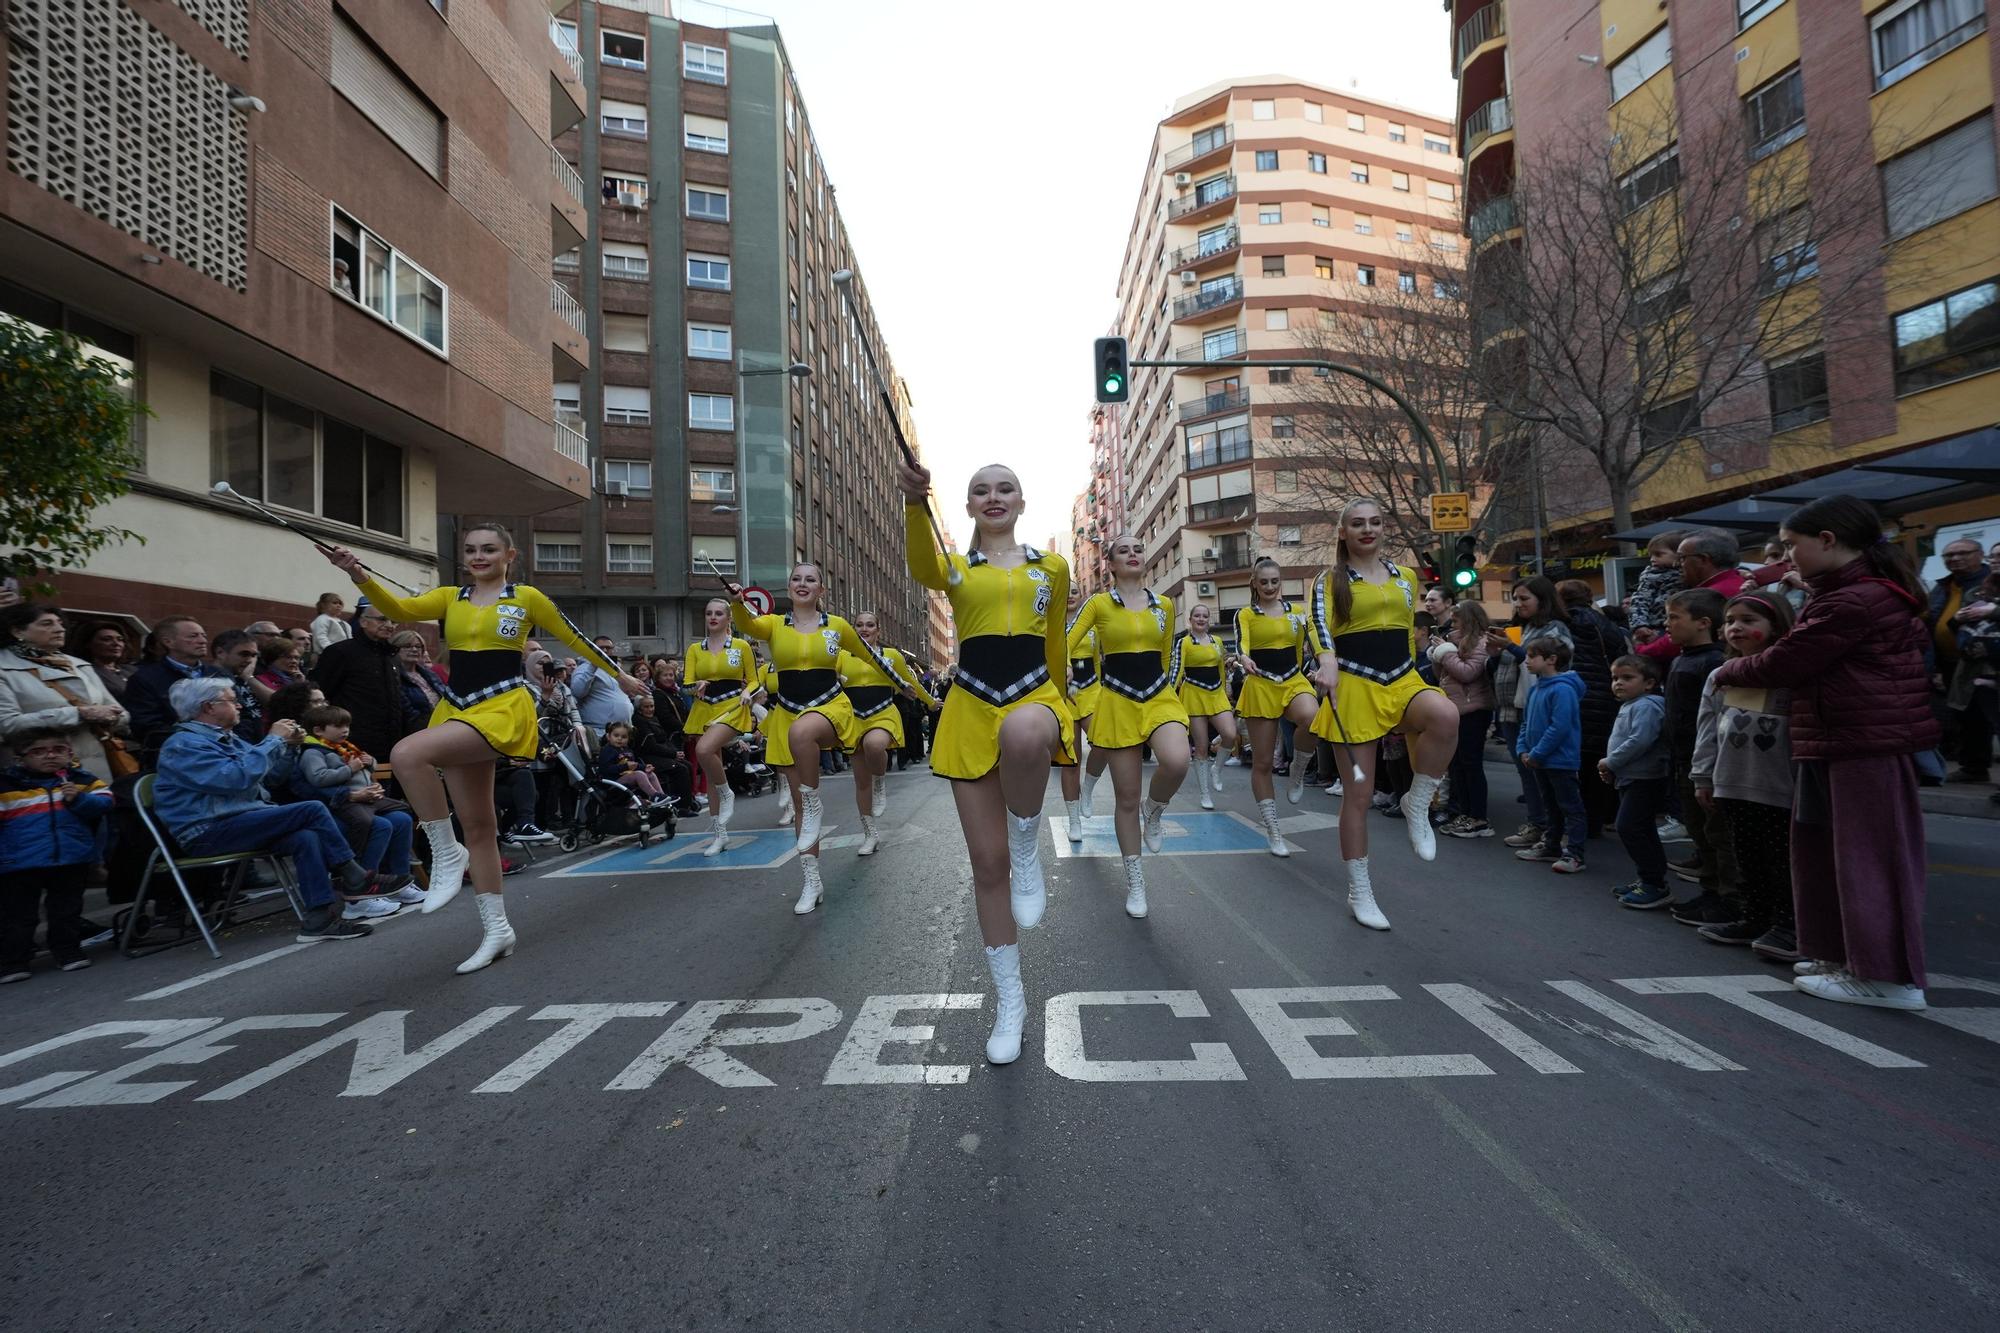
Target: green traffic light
(1113,383)
(1465,578)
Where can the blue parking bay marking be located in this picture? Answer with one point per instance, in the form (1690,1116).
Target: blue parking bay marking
(753,849)
(1201,833)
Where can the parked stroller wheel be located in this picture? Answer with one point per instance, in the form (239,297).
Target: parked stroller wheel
(571,838)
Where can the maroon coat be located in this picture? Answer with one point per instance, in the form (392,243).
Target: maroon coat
(1855,666)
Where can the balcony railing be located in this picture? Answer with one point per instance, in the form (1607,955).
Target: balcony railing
(1207,248)
(1205,195)
(1481,28)
(566,174)
(570,443)
(1209,298)
(1224,345)
(566,305)
(1230,555)
(1491,218)
(1214,453)
(1204,143)
(1226,401)
(1236,509)
(1496,117)
(571,56)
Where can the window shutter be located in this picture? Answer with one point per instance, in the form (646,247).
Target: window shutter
(383,95)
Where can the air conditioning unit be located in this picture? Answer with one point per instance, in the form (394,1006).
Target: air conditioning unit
(1208,553)
(1204,589)
(1183,178)
(615,488)
(1189,277)
(628,199)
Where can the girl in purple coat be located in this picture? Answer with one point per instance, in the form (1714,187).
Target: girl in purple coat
(1860,711)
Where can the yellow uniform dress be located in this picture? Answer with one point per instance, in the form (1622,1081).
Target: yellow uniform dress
(1011,652)
(1376,646)
(487,690)
(872,695)
(1085,685)
(1139,681)
(730,676)
(1274,644)
(1202,690)
(767,681)
(807,663)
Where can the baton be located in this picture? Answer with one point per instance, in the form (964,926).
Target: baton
(227,491)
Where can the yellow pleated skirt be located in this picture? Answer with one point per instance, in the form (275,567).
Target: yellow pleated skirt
(1202,701)
(732,713)
(506,722)
(1121,721)
(1367,711)
(1083,704)
(967,744)
(1261,697)
(890,719)
(778,728)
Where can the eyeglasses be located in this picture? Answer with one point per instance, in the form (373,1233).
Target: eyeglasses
(46,749)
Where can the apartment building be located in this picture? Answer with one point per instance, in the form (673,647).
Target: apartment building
(729,413)
(1266,202)
(1098,513)
(1906,374)
(318,239)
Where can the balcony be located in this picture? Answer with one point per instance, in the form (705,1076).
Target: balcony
(1207,250)
(1213,450)
(570,443)
(566,305)
(1496,117)
(1483,27)
(1209,196)
(1205,144)
(1215,297)
(1223,345)
(1491,218)
(1229,400)
(571,56)
(1235,509)
(568,222)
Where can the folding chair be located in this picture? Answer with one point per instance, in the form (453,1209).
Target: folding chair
(237,863)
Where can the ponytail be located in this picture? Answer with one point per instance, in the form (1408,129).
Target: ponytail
(1343,587)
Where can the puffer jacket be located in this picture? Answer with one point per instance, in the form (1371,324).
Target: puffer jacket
(38,830)
(1596,641)
(1855,666)
(1551,733)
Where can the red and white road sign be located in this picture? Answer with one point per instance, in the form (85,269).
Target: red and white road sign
(758,600)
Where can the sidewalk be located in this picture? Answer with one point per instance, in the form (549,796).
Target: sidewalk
(1969,799)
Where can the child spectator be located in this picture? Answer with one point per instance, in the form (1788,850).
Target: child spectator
(328,625)
(1635,763)
(334,771)
(1661,579)
(1551,746)
(1693,616)
(1860,710)
(1743,767)
(616,761)
(51,818)
(1460,661)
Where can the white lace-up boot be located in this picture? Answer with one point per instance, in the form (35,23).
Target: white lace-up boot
(1201,775)
(784,800)
(1416,805)
(449,860)
(868,840)
(1135,888)
(1295,790)
(1010,1004)
(1361,896)
(878,795)
(1269,810)
(809,818)
(1024,868)
(1073,810)
(1215,772)
(810,895)
(498,940)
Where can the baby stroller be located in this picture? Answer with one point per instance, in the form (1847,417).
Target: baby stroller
(744,768)
(605,809)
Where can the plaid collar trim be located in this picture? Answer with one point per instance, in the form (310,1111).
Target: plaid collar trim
(1034,554)
(465,592)
(1152,599)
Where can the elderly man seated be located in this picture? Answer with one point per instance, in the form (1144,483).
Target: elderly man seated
(210,795)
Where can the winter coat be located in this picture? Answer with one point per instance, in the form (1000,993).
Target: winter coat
(1742,748)
(1855,666)
(1596,644)
(1511,680)
(1552,729)
(329,630)
(1463,675)
(29,702)
(206,773)
(38,830)
(1948,594)
(146,700)
(1685,679)
(1728,582)
(365,677)
(1649,598)
(323,775)
(1637,749)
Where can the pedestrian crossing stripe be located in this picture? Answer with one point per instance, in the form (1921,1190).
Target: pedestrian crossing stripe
(1202,833)
(751,849)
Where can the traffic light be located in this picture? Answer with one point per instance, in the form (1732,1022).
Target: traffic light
(1465,562)
(1114,379)
(1427,566)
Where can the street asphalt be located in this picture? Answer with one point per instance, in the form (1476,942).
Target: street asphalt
(1523,1108)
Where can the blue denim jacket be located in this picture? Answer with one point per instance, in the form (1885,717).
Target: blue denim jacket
(206,773)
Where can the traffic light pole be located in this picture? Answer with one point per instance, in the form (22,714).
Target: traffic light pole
(1335,368)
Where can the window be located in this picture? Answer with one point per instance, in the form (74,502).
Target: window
(709,342)
(1775,114)
(558,553)
(1790,250)
(704,64)
(1323,268)
(628,555)
(625,333)
(1315,113)
(1357,122)
(1288,535)
(1364,225)
(384,281)
(1267,159)
(1214,443)
(712,485)
(1398,133)
(628,405)
(1798,392)
(1444,242)
(1445,289)
(568,403)
(1221,343)
(624,49)
(1656,176)
(711,411)
(708,272)
(1268,214)
(104,342)
(1659,298)
(626,118)
(1356,171)
(1949,338)
(1282,375)
(705,134)
(1443,190)
(569,261)
(710,204)
(641,620)
(1403,232)
(1642,62)
(1434,143)
(1216,239)
(565,35)
(629,191)
(1364,275)
(1399,180)
(628,260)
(1321,216)
(1285,481)
(634,474)
(1277,319)
(1263,108)
(1406,283)
(1909,35)
(721,550)
(1274,266)
(288,455)
(1749,11)
(1284,428)
(1941,178)
(391,102)
(1667,424)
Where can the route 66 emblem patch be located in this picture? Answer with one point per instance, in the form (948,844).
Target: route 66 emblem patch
(735,657)
(1043,596)
(831,637)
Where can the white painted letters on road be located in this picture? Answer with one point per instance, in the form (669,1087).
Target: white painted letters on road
(1646,1036)
(1291,1038)
(1741,992)
(580,1020)
(382,1057)
(859,1057)
(696,1042)
(111,1089)
(1483,1012)
(1062,1042)
(157,1032)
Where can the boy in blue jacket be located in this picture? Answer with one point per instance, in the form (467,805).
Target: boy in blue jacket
(51,821)
(1635,762)
(1551,744)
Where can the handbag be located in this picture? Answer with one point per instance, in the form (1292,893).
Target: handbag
(121,761)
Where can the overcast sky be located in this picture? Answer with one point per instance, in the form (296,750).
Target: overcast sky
(988,159)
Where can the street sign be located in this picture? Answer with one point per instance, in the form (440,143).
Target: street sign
(1451,511)
(758,600)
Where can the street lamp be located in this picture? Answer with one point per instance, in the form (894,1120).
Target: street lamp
(797,370)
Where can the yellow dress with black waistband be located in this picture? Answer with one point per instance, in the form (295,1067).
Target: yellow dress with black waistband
(1086,684)
(487,690)
(1140,677)
(808,667)
(1202,687)
(1275,644)
(1011,649)
(767,681)
(1376,646)
(729,675)
(872,695)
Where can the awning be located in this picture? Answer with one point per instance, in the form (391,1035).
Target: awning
(1974,456)
(1755,514)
